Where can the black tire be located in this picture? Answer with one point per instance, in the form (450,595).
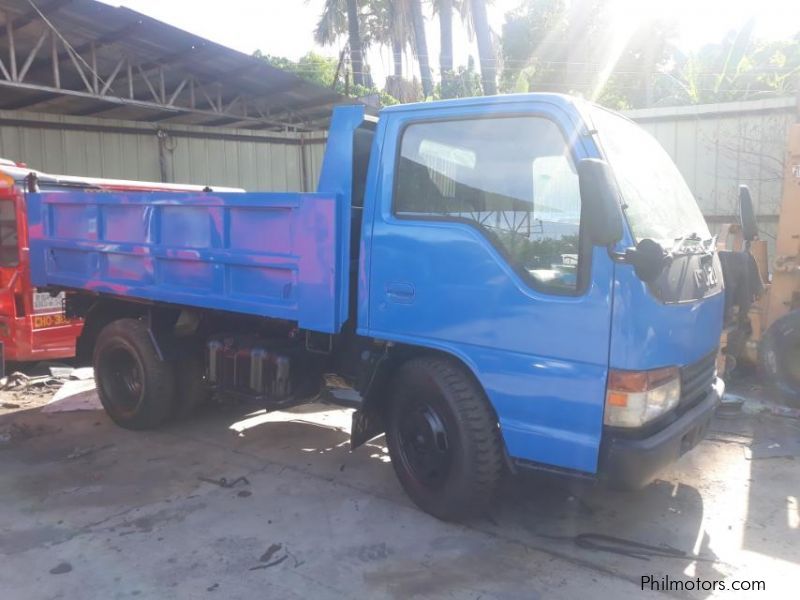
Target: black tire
(136,387)
(192,389)
(443,439)
(779,357)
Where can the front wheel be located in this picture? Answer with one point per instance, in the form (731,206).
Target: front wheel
(136,388)
(443,439)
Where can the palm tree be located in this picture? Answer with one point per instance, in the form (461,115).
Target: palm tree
(421,47)
(398,40)
(390,24)
(473,15)
(486,54)
(354,41)
(337,17)
(444,8)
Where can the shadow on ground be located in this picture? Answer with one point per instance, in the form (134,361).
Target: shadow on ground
(72,473)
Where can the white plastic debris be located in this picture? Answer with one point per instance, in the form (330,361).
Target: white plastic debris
(80,394)
(82,373)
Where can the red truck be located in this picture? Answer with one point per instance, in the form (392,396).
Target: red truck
(32,324)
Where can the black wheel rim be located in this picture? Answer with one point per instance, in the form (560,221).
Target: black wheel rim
(425,447)
(122,378)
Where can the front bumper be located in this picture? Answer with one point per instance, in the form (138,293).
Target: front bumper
(633,463)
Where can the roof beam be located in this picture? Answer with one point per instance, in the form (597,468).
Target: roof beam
(167,80)
(144,104)
(31,16)
(108,39)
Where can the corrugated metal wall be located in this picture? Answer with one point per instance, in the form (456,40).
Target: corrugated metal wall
(716,147)
(252,160)
(719,146)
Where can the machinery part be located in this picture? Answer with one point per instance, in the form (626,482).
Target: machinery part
(192,389)
(136,388)
(443,439)
(779,357)
(268,371)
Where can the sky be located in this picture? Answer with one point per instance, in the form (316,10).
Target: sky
(285,27)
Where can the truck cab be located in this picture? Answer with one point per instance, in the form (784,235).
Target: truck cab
(478,243)
(500,283)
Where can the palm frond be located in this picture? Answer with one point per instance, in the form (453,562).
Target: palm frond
(332,22)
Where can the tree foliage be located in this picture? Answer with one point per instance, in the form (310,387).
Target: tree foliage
(464,82)
(555,46)
(566,46)
(549,45)
(312,67)
(737,68)
(322,70)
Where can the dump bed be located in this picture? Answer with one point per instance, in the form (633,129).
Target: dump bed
(271,255)
(285,256)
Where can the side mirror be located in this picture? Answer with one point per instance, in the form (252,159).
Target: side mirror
(747,216)
(599,202)
(648,260)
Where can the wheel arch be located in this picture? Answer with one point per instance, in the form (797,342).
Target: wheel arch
(98,312)
(400,353)
(368,421)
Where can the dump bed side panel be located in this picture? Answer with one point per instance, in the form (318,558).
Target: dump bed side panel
(272,255)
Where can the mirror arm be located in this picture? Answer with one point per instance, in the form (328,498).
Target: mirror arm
(619,257)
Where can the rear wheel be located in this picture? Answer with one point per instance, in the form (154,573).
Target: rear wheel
(135,386)
(443,439)
(779,357)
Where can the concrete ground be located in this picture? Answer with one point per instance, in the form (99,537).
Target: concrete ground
(88,510)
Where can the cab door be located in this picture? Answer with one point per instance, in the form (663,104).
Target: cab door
(475,249)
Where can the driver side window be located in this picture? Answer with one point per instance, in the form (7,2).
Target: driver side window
(512,177)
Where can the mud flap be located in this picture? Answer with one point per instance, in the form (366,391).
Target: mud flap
(366,425)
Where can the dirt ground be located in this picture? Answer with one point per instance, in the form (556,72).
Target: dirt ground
(88,510)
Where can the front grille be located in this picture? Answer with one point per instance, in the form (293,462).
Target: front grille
(696,381)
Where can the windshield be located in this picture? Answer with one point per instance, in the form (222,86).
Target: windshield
(657,202)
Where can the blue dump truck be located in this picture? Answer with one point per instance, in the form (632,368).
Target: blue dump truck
(498,284)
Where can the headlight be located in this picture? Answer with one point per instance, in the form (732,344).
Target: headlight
(634,398)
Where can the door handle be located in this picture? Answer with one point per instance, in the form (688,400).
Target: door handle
(401,293)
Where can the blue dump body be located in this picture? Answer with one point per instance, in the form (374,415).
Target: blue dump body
(271,255)
(540,337)
(279,255)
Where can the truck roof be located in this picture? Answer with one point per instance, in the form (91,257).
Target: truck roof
(557,99)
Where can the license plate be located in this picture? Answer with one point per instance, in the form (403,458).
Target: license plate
(45,321)
(44,303)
